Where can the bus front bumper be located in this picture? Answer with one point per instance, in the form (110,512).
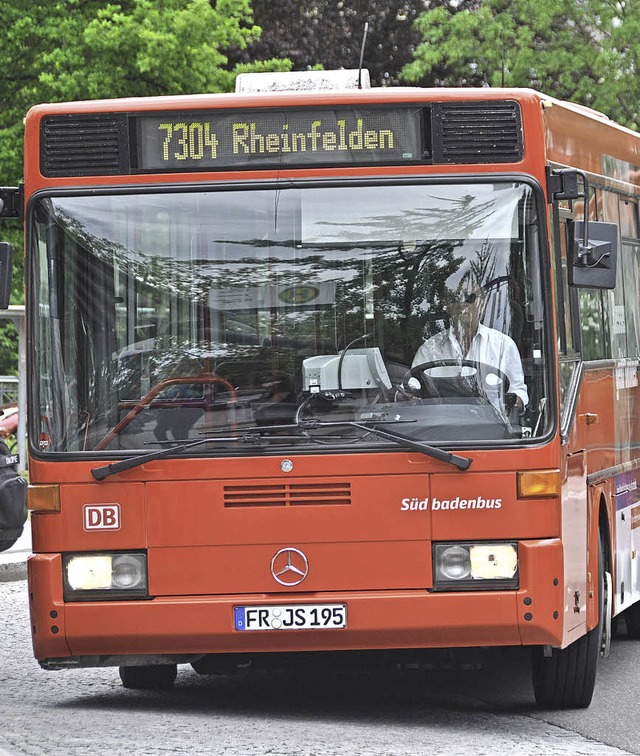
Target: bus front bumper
(102,633)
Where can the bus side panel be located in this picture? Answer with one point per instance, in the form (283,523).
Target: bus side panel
(574,538)
(627,518)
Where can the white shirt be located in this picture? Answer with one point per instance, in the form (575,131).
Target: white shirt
(489,346)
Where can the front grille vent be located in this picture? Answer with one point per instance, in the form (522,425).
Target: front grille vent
(80,145)
(287,495)
(485,132)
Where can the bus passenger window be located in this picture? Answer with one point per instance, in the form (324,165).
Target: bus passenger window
(629,218)
(593,325)
(631,275)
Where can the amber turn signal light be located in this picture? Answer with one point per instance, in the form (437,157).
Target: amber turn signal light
(43,498)
(533,484)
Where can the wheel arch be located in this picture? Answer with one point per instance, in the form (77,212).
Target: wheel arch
(600,527)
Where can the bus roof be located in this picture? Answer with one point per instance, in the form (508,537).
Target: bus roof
(568,134)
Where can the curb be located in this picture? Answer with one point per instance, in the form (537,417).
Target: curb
(10,571)
(13,561)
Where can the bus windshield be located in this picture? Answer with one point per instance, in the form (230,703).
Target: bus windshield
(306,311)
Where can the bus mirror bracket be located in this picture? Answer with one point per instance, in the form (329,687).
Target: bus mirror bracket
(6,265)
(12,202)
(562,184)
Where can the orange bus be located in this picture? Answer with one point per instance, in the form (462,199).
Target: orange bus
(331,371)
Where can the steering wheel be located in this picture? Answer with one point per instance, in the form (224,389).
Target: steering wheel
(482,370)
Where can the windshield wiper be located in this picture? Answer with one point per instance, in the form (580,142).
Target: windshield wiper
(100,473)
(253,436)
(462,463)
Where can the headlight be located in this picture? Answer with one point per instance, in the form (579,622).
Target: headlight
(90,577)
(453,563)
(475,566)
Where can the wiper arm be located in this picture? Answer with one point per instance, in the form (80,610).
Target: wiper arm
(462,463)
(100,473)
(247,436)
(252,435)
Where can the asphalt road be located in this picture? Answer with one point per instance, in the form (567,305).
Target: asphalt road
(482,709)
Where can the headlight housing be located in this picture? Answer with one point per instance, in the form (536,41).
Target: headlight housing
(104,575)
(473,566)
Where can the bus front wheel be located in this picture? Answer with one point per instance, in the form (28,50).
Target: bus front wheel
(566,679)
(152,677)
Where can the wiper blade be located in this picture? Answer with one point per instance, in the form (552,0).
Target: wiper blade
(304,425)
(462,463)
(100,473)
(252,435)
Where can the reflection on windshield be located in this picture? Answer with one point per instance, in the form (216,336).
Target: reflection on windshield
(169,317)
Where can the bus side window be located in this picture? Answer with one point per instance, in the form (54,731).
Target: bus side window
(594,325)
(631,275)
(593,313)
(630,264)
(623,300)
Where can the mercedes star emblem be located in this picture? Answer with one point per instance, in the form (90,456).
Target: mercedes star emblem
(289,566)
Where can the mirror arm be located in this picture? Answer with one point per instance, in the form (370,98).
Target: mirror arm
(562,184)
(584,249)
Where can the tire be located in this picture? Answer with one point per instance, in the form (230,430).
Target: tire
(152,677)
(566,679)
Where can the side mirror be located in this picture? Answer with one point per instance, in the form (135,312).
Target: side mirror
(6,268)
(594,260)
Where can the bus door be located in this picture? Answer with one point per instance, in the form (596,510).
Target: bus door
(574,453)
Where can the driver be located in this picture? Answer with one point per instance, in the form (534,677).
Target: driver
(468,339)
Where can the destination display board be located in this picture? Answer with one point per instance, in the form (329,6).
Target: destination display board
(108,143)
(214,140)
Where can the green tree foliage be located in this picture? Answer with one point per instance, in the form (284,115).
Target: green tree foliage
(587,52)
(59,50)
(329,34)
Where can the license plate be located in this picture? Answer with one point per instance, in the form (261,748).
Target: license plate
(291,617)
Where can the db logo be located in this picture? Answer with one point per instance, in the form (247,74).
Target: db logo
(101,516)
